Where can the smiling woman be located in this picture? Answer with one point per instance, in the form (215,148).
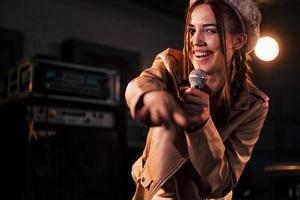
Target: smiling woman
(204,46)
(200,140)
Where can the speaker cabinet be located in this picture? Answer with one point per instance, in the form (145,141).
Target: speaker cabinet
(62,162)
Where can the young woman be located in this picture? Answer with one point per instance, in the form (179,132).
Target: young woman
(200,140)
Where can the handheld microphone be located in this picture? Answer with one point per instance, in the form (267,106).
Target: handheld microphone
(197,79)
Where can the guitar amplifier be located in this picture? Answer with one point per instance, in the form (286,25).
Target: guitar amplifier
(63,81)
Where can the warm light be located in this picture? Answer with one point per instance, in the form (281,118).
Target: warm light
(266,49)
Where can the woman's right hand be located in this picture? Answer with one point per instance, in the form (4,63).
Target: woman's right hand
(160,108)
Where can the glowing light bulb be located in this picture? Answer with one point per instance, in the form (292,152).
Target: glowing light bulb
(266,49)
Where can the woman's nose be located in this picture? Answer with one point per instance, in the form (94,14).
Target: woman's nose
(198,39)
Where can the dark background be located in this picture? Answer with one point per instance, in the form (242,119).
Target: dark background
(125,35)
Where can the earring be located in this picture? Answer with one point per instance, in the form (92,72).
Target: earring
(240,56)
(240,62)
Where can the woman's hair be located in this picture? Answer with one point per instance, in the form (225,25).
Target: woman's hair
(239,70)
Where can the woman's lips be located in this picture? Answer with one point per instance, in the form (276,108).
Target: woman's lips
(202,53)
(202,56)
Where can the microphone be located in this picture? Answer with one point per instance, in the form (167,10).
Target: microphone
(197,79)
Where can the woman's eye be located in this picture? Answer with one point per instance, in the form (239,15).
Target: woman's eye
(192,31)
(210,30)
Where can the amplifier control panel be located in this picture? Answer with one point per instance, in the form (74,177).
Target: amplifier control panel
(73,117)
(60,81)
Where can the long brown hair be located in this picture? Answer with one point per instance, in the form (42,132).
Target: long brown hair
(239,70)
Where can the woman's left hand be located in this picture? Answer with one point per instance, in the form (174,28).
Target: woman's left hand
(196,106)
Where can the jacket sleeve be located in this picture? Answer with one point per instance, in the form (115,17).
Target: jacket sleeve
(220,165)
(154,78)
(138,165)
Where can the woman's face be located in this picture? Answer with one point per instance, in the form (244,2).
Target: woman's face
(205,46)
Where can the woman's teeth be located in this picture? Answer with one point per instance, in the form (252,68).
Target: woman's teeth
(202,53)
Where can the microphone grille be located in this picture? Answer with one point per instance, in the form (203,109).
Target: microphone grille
(197,78)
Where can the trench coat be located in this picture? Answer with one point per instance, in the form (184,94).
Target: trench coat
(204,164)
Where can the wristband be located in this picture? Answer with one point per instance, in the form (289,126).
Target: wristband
(192,129)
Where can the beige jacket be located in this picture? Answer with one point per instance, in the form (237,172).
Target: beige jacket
(204,164)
